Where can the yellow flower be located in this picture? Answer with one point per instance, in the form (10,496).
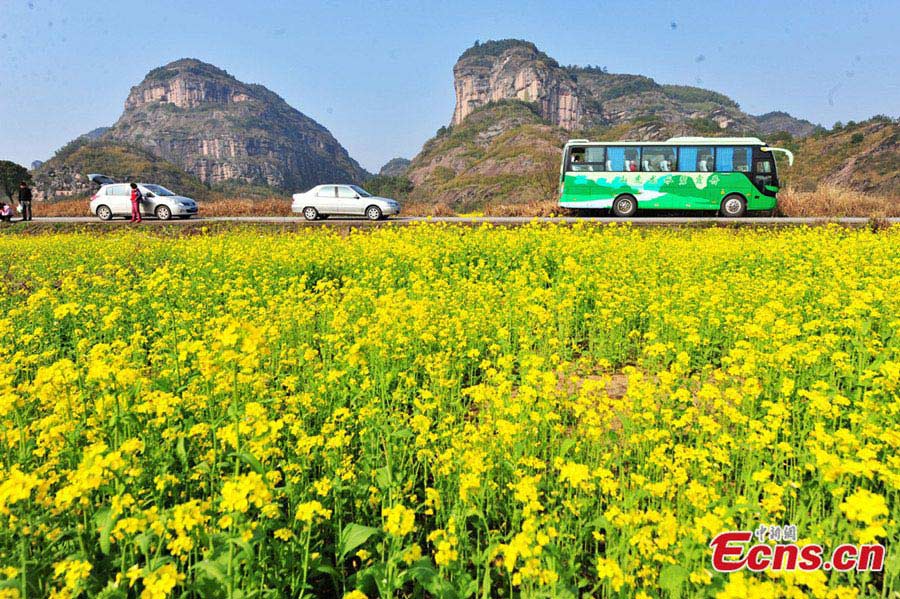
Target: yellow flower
(72,571)
(608,569)
(161,582)
(399,520)
(413,554)
(864,506)
(283,534)
(308,511)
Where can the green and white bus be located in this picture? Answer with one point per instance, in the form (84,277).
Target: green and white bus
(731,175)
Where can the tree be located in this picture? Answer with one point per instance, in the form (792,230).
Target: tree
(388,186)
(11,174)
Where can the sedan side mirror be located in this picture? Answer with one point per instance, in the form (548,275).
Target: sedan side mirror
(356,196)
(149,194)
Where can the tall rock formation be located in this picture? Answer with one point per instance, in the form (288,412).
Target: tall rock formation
(517,70)
(221,130)
(581,98)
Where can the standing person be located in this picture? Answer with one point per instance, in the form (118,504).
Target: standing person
(136,198)
(25,200)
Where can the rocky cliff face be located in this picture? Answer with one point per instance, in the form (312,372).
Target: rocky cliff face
(221,130)
(513,70)
(580,99)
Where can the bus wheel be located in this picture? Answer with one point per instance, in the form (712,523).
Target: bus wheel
(624,206)
(734,206)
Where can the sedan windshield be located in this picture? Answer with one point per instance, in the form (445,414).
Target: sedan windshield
(159,190)
(362,192)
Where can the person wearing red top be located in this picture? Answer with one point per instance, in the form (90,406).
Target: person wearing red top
(136,198)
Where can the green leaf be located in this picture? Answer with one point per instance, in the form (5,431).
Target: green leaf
(671,578)
(104,520)
(213,570)
(383,478)
(327,569)
(246,550)
(143,542)
(250,460)
(422,571)
(111,591)
(181,452)
(565,447)
(353,536)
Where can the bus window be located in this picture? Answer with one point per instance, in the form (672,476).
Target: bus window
(596,158)
(622,159)
(615,159)
(705,159)
(658,159)
(742,160)
(733,159)
(697,159)
(687,159)
(590,159)
(576,159)
(632,159)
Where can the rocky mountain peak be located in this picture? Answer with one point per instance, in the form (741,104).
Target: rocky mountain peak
(516,69)
(187,83)
(219,129)
(581,98)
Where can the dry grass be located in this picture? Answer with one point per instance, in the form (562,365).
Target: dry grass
(240,207)
(836,201)
(826,202)
(544,208)
(224,207)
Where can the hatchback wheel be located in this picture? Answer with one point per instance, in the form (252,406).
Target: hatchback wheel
(373,213)
(104,213)
(310,213)
(163,213)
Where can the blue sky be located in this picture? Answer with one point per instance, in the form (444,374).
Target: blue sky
(379,74)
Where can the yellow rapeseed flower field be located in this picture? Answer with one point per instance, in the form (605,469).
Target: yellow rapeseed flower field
(444,411)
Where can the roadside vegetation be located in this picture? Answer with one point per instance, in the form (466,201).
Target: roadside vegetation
(828,201)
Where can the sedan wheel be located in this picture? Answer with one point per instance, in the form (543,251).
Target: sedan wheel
(104,213)
(310,213)
(373,213)
(163,213)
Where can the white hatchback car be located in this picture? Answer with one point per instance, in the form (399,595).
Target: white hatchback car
(323,201)
(114,199)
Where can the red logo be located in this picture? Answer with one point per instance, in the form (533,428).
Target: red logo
(733,551)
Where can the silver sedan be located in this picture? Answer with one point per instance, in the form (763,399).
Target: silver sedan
(342,200)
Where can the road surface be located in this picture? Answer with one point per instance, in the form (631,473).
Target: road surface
(494,220)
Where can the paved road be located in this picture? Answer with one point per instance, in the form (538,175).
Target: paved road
(501,221)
